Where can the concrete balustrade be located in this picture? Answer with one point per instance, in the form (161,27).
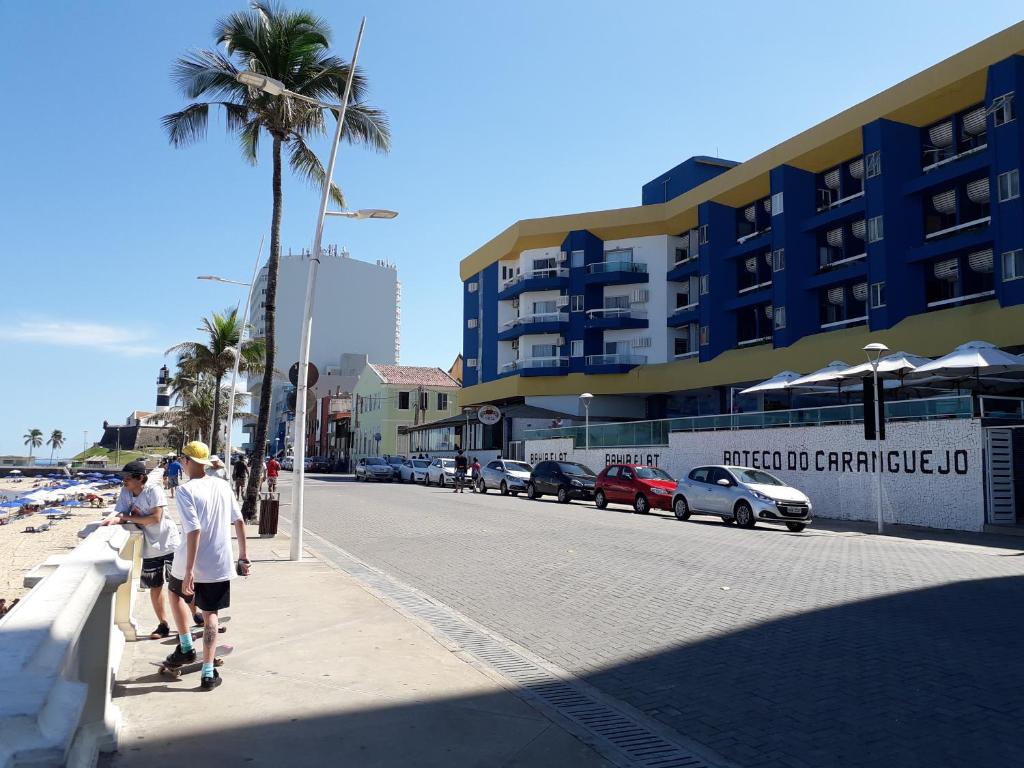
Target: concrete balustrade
(59,650)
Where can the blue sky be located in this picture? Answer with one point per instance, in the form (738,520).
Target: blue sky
(499,111)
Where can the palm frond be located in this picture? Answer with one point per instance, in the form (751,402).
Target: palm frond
(249,140)
(304,162)
(206,73)
(188,125)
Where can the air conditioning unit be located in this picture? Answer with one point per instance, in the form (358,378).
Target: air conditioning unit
(560,341)
(515,343)
(515,303)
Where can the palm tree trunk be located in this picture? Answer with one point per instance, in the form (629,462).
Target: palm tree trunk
(216,417)
(260,438)
(52,449)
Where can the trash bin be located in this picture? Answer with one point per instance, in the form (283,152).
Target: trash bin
(269,503)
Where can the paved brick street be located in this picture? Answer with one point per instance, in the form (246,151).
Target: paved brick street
(828,648)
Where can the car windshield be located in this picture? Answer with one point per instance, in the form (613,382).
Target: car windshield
(447,462)
(396,459)
(375,460)
(571,468)
(517,466)
(420,463)
(652,473)
(755,476)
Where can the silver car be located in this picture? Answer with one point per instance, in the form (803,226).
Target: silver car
(741,494)
(505,476)
(374,468)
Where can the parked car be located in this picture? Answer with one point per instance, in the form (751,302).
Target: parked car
(395,462)
(565,479)
(641,486)
(741,494)
(374,468)
(288,463)
(441,472)
(505,476)
(413,470)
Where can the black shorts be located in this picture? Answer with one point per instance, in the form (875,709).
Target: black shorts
(155,570)
(211,596)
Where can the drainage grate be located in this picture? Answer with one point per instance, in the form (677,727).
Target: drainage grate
(608,728)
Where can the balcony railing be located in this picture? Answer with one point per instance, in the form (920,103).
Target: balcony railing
(540,317)
(954,158)
(530,274)
(613,312)
(616,359)
(616,266)
(983,221)
(535,362)
(686,307)
(959,299)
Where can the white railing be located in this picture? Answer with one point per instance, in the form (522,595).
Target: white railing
(954,158)
(686,307)
(535,362)
(616,359)
(750,342)
(616,266)
(840,201)
(612,312)
(530,274)
(958,227)
(683,355)
(59,651)
(847,321)
(756,287)
(845,260)
(958,299)
(540,317)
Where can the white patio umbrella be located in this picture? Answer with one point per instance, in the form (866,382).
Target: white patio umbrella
(895,364)
(822,378)
(777,383)
(14,472)
(971,360)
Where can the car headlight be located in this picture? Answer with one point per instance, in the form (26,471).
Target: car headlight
(761,496)
(661,491)
(577,483)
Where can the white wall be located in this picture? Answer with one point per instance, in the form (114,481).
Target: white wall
(937,479)
(654,252)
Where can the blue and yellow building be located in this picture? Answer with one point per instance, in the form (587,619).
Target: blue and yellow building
(898,220)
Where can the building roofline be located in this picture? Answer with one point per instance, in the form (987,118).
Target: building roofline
(946,87)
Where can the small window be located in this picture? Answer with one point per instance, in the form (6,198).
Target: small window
(873,164)
(424,401)
(779,315)
(612,472)
(705,284)
(1002,109)
(1009,185)
(403,401)
(576,303)
(442,401)
(700,474)
(877,295)
(473,287)
(875,230)
(1013,265)
(471,362)
(472,323)
(779,260)
(704,335)
(702,238)
(776,204)
(576,348)
(576,259)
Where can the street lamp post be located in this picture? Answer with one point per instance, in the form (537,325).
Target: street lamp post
(586,397)
(276,88)
(874,352)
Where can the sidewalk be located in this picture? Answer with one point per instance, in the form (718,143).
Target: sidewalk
(324,673)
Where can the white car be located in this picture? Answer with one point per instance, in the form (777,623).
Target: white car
(440,472)
(413,471)
(742,495)
(287,463)
(504,476)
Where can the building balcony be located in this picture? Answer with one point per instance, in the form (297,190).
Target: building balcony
(544,322)
(534,280)
(535,366)
(682,270)
(616,273)
(684,315)
(617,363)
(616,317)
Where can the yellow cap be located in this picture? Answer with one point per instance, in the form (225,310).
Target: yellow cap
(198,451)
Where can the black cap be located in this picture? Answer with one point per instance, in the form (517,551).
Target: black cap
(135,468)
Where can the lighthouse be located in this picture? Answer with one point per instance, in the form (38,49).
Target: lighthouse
(163,390)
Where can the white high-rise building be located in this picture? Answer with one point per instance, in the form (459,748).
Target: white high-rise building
(356,313)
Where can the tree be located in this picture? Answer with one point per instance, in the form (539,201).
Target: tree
(290,46)
(33,439)
(216,358)
(56,442)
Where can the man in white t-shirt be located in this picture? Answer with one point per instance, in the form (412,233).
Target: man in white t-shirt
(203,564)
(143,504)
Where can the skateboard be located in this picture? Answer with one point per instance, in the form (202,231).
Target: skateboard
(194,666)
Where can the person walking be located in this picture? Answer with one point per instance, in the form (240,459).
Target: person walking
(273,470)
(173,474)
(144,504)
(461,464)
(474,474)
(239,473)
(202,562)
(216,468)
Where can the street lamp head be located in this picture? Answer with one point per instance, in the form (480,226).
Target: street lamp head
(263,83)
(586,396)
(874,351)
(218,279)
(365,213)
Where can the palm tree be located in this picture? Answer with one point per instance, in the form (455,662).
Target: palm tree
(56,442)
(33,439)
(217,357)
(290,46)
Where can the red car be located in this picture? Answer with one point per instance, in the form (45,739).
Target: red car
(634,484)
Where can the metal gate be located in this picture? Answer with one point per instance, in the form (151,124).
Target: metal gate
(1000,501)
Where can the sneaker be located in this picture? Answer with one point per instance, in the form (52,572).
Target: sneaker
(178,658)
(209,683)
(161,631)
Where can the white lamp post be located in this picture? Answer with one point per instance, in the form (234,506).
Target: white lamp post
(277,88)
(874,352)
(585,398)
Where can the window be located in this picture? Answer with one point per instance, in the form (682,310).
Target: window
(683,254)
(576,303)
(705,284)
(472,287)
(704,335)
(621,256)
(442,401)
(779,314)
(576,348)
(612,472)
(472,323)
(873,164)
(776,204)
(1002,109)
(543,350)
(576,259)
(471,362)
(702,238)
(545,307)
(1009,185)
(877,295)
(779,260)
(1013,265)
(541,264)
(424,401)
(875,230)
(616,302)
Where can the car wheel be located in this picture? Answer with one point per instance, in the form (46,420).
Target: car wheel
(426,481)
(563,495)
(600,501)
(681,508)
(531,491)
(640,504)
(745,515)
(728,520)
(481,486)
(504,488)
(796,527)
